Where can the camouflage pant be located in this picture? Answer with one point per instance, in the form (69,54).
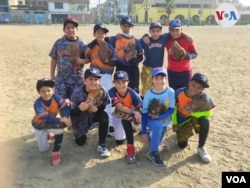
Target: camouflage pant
(146,76)
(186,130)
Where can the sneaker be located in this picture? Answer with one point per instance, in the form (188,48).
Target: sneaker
(103,150)
(155,159)
(111,132)
(202,152)
(56,158)
(131,159)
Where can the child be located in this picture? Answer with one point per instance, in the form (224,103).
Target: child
(184,96)
(157,122)
(179,71)
(68,76)
(153,53)
(45,121)
(154,48)
(126,100)
(122,42)
(106,69)
(82,118)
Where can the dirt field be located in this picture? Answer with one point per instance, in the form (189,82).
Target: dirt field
(224,56)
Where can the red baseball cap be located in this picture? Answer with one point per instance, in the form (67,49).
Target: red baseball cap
(70,20)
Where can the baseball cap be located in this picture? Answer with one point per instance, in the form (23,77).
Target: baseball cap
(121,75)
(44,82)
(100,26)
(94,72)
(126,20)
(175,24)
(70,20)
(200,78)
(159,70)
(155,25)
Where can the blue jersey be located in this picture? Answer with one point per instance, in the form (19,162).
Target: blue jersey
(60,52)
(154,51)
(167,102)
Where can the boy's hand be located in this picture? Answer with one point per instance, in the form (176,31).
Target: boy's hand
(66,121)
(145,137)
(137,117)
(146,40)
(84,106)
(118,35)
(93,109)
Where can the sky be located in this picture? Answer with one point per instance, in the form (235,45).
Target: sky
(245,2)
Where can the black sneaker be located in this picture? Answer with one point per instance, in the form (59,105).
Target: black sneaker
(155,159)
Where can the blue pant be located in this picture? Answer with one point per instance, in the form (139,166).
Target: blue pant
(178,80)
(156,135)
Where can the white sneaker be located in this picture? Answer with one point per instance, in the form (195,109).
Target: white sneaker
(202,152)
(103,150)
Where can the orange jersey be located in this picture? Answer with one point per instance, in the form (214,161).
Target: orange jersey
(183,101)
(97,63)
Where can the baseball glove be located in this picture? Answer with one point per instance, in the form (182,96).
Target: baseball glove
(125,116)
(95,97)
(104,53)
(74,54)
(200,103)
(130,52)
(155,108)
(177,51)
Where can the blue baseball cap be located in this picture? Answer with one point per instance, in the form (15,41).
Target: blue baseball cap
(100,26)
(121,75)
(155,25)
(126,20)
(94,72)
(201,79)
(175,24)
(70,20)
(159,70)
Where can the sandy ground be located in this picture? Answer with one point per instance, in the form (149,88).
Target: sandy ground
(224,56)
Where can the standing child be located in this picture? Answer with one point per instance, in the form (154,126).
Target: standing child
(86,113)
(45,121)
(158,106)
(69,75)
(153,53)
(106,67)
(126,100)
(183,115)
(179,70)
(128,61)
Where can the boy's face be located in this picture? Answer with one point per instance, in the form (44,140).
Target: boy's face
(175,33)
(99,34)
(121,85)
(155,33)
(126,28)
(194,88)
(159,81)
(70,31)
(91,83)
(46,93)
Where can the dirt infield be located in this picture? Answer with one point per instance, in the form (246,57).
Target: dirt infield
(224,56)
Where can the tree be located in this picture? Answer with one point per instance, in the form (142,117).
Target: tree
(169,7)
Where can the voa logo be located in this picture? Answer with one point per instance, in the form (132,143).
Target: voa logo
(226,15)
(235,179)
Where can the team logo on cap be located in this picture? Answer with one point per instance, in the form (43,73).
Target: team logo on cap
(93,71)
(120,75)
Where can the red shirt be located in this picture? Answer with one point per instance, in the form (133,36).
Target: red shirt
(180,65)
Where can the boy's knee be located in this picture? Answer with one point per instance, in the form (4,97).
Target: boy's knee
(81,140)
(182,145)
